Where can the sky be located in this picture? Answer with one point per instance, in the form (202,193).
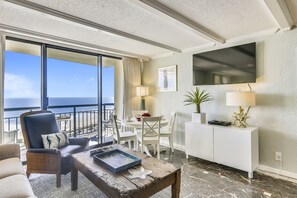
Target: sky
(65,79)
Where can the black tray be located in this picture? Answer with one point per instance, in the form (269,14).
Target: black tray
(116,160)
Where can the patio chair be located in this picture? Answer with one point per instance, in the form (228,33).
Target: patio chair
(169,132)
(47,160)
(123,135)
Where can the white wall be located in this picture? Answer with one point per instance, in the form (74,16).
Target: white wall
(276,97)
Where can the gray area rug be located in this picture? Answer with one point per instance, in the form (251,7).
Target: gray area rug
(44,186)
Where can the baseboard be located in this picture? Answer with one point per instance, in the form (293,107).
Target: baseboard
(277,173)
(176,146)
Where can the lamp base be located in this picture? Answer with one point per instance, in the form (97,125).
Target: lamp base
(240,118)
(142,104)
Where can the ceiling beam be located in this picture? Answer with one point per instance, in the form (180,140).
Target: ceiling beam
(281,13)
(88,23)
(55,40)
(167,13)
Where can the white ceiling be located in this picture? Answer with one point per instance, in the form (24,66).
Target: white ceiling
(227,19)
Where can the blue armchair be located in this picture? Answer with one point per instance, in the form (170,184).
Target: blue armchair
(47,160)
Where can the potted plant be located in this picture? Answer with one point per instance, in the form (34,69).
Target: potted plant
(197,97)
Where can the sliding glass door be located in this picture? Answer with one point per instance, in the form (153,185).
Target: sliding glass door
(72,91)
(77,86)
(21,86)
(108,96)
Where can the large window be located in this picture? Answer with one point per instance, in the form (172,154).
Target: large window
(21,85)
(72,84)
(69,82)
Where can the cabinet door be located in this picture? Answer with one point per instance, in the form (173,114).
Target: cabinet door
(232,147)
(199,140)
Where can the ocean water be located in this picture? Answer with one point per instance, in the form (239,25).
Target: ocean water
(35,102)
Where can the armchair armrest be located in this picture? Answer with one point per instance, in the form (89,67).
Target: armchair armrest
(9,151)
(83,141)
(44,150)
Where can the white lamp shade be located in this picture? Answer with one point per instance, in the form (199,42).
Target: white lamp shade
(142,91)
(244,99)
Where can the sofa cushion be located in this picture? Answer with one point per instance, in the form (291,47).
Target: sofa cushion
(9,151)
(11,166)
(15,186)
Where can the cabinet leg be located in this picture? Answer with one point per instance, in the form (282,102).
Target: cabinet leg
(251,175)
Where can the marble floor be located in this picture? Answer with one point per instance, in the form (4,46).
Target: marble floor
(199,179)
(206,179)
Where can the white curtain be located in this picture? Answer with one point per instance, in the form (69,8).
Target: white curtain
(2,59)
(132,79)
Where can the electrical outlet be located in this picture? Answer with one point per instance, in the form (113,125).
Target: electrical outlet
(278,156)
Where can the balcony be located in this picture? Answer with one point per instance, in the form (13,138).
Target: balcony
(76,120)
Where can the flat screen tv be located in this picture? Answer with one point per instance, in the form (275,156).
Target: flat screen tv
(225,66)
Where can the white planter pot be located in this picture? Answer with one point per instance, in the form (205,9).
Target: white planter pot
(199,117)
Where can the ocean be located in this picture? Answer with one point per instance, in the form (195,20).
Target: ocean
(35,102)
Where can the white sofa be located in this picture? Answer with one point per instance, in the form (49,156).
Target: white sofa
(13,180)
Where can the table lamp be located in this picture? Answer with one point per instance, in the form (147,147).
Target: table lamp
(142,91)
(241,99)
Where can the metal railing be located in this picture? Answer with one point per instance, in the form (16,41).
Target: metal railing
(76,120)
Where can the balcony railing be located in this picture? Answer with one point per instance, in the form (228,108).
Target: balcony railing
(76,120)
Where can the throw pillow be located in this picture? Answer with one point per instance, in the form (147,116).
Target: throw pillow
(55,140)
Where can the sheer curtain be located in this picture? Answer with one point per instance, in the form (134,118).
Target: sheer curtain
(132,79)
(2,58)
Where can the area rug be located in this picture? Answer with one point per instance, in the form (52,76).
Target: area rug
(44,186)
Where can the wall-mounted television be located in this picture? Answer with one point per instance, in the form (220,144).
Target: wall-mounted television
(225,66)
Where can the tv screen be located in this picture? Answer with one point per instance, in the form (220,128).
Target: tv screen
(225,66)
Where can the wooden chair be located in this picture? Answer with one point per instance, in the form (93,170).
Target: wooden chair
(123,135)
(47,160)
(169,132)
(150,133)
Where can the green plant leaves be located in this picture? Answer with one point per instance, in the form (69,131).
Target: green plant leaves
(197,97)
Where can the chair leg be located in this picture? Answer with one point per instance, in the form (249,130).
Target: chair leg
(129,144)
(28,175)
(158,151)
(58,180)
(141,148)
(154,146)
(135,144)
(171,143)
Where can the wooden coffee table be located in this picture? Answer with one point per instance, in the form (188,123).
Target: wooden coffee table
(120,185)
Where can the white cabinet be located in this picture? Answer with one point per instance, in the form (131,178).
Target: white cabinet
(231,146)
(199,140)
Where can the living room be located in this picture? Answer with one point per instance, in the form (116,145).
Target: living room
(154,35)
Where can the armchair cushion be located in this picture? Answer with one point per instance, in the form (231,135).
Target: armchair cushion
(66,159)
(83,141)
(70,149)
(55,140)
(35,125)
